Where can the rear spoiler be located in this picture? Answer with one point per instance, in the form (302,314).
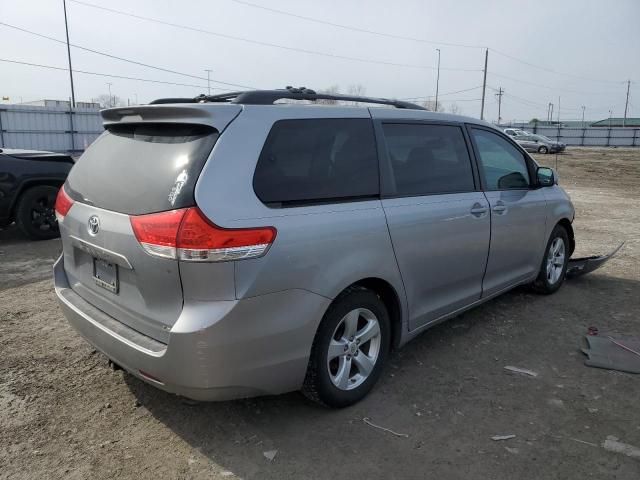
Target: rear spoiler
(217,116)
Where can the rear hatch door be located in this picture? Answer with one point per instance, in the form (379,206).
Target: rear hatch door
(148,160)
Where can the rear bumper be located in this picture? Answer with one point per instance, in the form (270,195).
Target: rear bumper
(216,350)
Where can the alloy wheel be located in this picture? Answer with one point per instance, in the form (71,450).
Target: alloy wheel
(354,349)
(555,260)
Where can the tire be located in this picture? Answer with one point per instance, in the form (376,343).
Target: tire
(35,213)
(552,269)
(543,149)
(328,381)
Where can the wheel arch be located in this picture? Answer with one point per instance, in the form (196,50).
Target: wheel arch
(566,224)
(389,296)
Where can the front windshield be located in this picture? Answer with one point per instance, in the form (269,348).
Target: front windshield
(542,137)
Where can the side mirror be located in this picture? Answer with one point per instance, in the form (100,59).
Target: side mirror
(546,176)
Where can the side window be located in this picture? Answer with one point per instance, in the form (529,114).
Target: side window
(504,166)
(317,160)
(427,159)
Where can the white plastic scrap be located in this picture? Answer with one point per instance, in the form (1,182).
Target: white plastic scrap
(497,438)
(270,454)
(371,424)
(524,371)
(613,445)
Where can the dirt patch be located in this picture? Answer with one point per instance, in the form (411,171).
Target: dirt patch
(23,261)
(64,414)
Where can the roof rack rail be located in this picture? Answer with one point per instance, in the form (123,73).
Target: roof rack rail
(269,97)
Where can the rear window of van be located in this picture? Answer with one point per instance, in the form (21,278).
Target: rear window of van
(142,168)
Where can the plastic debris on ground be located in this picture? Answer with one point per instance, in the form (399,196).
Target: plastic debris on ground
(523,371)
(612,352)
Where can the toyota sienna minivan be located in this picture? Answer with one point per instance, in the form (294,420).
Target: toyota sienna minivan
(230,246)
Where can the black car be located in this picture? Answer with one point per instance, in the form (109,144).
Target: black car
(29,183)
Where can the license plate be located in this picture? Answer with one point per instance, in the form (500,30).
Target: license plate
(105,275)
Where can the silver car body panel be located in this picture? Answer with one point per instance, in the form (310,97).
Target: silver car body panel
(441,248)
(242,328)
(518,237)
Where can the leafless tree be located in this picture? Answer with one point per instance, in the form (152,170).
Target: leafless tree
(332,90)
(356,90)
(106,102)
(455,109)
(431,106)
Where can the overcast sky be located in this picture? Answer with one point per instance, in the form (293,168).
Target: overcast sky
(581,50)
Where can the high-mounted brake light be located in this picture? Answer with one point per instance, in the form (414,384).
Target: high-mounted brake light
(186,234)
(63,204)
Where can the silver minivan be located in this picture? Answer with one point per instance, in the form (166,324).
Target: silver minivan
(231,246)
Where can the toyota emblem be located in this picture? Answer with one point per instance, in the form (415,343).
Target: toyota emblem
(94,225)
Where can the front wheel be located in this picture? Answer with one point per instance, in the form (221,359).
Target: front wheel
(543,149)
(349,350)
(554,263)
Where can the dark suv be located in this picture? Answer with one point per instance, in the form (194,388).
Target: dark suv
(29,182)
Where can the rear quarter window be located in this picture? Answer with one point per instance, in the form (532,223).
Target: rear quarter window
(317,161)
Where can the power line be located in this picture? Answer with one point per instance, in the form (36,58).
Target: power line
(352,28)
(531,103)
(115,57)
(547,86)
(413,39)
(463,100)
(123,77)
(266,44)
(546,69)
(109,75)
(443,94)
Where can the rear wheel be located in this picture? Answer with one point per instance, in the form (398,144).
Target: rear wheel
(35,214)
(554,263)
(543,149)
(349,350)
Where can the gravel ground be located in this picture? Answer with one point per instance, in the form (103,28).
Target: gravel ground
(63,413)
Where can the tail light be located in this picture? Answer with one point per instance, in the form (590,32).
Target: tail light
(63,204)
(186,234)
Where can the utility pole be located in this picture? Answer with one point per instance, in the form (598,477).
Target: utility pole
(583,107)
(110,100)
(66,27)
(558,112)
(437,79)
(208,80)
(484,83)
(499,95)
(609,119)
(626,105)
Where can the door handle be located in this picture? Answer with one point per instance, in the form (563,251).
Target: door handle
(478,210)
(499,208)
